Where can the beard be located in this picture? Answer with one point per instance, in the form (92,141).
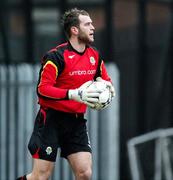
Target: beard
(83,38)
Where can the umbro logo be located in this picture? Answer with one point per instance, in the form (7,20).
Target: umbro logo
(71,57)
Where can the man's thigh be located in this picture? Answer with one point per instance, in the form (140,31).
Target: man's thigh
(80,161)
(42,166)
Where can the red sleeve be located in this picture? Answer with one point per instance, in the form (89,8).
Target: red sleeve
(46,87)
(104,73)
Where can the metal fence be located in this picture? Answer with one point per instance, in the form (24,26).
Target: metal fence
(18,108)
(160,145)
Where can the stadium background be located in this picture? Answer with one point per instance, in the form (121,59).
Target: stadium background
(136,35)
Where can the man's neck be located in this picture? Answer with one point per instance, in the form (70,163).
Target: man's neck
(80,47)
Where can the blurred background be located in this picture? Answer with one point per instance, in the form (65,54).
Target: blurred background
(134,36)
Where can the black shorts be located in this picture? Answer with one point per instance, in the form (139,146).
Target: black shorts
(54,129)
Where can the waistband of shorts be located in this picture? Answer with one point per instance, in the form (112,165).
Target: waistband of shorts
(74,115)
(68,114)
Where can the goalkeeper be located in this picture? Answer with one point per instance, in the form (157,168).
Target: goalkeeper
(66,72)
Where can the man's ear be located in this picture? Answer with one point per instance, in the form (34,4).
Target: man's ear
(74,30)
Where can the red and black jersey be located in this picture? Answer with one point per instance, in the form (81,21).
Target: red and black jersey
(64,68)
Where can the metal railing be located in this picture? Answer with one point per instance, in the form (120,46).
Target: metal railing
(162,158)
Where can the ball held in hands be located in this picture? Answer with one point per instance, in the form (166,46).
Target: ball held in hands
(105,95)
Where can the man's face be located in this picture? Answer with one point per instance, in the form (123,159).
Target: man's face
(86,29)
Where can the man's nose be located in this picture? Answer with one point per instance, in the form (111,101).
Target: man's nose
(92,27)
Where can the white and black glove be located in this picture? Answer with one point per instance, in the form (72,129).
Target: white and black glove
(83,95)
(109,84)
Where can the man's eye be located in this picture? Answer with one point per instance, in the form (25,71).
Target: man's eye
(87,24)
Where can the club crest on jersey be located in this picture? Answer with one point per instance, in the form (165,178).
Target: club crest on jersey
(48,150)
(92,60)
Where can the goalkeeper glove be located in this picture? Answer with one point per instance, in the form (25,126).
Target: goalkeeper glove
(83,95)
(109,84)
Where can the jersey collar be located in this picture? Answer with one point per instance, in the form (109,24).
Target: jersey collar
(72,49)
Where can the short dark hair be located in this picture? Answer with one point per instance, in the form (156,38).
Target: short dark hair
(71,18)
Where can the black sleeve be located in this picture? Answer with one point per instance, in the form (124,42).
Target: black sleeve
(56,58)
(98,71)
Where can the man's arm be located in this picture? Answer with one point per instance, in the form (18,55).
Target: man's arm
(47,80)
(104,77)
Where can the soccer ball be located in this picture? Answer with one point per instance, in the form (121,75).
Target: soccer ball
(105,96)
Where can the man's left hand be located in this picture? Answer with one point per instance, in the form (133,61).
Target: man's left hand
(108,83)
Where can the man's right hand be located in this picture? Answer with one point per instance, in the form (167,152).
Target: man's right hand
(83,95)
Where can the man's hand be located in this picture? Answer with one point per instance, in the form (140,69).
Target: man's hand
(109,84)
(83,95)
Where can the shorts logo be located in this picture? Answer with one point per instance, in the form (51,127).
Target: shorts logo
(92,60)
(48,150)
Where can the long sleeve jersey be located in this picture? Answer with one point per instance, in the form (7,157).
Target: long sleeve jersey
(64,68)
